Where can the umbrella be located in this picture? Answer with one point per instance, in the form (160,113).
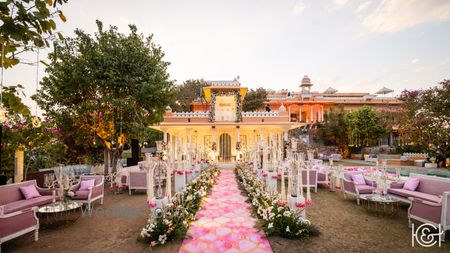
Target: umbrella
(384,91)
(330,90)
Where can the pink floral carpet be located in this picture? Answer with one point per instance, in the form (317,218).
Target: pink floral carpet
(224,223)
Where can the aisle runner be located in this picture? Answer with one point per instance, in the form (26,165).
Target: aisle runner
(224,223)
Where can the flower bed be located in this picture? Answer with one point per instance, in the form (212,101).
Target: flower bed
(273,213)
(173,221)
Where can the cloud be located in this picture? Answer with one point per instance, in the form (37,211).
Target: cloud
(414,61)
(340,3)
(363,6)
(396,15)
(298,9)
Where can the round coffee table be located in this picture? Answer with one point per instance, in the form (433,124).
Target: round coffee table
(59,213)
(381,205)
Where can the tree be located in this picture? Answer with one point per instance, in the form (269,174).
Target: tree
(254,100)
(364,127)
(425,118)
(187,92)
(333,131)
(106,87)
(25,24)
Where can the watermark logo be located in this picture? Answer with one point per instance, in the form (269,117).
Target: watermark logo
(426,236)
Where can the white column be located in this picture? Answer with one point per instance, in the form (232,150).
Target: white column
(264,144)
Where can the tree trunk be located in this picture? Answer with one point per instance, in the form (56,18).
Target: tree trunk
(106,160)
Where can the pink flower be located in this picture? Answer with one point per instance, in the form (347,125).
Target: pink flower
(281,203)
(309,202)
(279,174)
(264,174)
(300,204)
(189,172)
(275,177)
(254,172)
(180,172)
(151,204)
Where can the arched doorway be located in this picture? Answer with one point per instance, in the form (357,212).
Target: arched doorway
(225,147)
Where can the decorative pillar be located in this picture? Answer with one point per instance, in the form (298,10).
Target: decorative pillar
(238,143)
(264,145)
(214,144)
(150,193)
(189,146)
(169,182)
(312,115)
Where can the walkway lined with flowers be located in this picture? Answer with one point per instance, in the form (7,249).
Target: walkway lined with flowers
(224,223)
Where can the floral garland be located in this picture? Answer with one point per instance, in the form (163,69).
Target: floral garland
(173,221)
(274,214)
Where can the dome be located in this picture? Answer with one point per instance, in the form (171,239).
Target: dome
(168,109)
(306,81)
(282,108)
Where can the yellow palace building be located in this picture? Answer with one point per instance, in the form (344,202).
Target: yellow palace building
(223,132)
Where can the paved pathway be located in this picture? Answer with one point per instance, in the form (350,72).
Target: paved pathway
(224,223)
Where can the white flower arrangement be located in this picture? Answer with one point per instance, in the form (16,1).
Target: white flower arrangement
(180,211)
(274,214)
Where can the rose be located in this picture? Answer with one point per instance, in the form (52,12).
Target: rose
(180,172)
(309,202)
(151,204)
(281,203)
(300,204)
(275,177)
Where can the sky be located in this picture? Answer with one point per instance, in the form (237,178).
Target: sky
(350,45)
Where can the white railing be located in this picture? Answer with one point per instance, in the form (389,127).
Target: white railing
(260,114)
(191,114)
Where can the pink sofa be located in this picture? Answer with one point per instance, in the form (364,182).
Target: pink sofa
(137,180)
(429,202)
(19,214)
(357,190)
(91,195)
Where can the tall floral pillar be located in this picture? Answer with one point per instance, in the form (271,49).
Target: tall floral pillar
(214,144)
(264,148)
(189,171)
(180,176)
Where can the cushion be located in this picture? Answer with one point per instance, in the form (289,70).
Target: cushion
(415,194)
(86,184)
(358,179)
(27,203)
(29,191)
(411,184)
(365,189)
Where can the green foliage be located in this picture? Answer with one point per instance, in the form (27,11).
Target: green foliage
(254,100)
(25,24)
(425,118)
(187,92)
(102,86)
(333,131)
(364,128)
(39,139)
